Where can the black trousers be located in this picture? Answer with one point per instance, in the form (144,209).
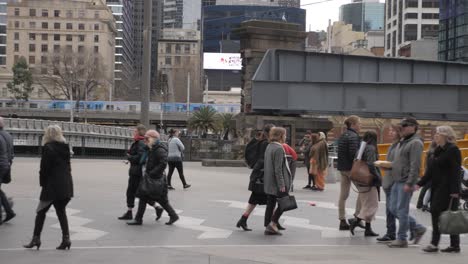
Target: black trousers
(311,176)
(180,169)
(133,182)
(4,202)
(272,215)
(60,210)
(422,193)
(163,202)
(454,239)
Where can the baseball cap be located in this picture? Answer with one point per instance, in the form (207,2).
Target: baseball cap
(409,121)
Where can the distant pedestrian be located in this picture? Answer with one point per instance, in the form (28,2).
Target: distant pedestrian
(348,145)
(256,179)
(319,161)
(369,195)
(175,158)
(405,173)
(155,166)
(57,185)
(6,160)
(306,144)
(134,156)
(444,172)
(278,178)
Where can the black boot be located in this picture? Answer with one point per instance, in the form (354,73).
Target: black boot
(159,212)
(66,243)
(344,225)
(242,223)
(369,232)
(353,223)
(172,219)
(35,242)
(127,216)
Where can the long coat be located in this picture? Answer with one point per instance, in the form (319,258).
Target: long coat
(276,175)
(55,173)
(135,154)
(257,171)
(444,171)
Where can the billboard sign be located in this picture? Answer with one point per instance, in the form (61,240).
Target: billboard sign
(222,61)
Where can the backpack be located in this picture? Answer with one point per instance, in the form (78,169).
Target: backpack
(251,152)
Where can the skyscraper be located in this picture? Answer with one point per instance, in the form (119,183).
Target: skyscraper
(3,33)
(285,3)
(364,15)
(116,7)
(184,14)
(453,34)
(409,20)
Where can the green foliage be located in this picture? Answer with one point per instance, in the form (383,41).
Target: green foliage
(205,119)
(21,86)
(225,121)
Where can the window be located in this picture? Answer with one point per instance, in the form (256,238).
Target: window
(168,48)
(81,26)
(430,16)
(32,24)
(168,60)
(69,38)
(80,48)
(430,3)
(411,3)
(32,47)
(40,91)
(411,16)
(16,47)
(429,30)
(56,37)
(32,36)
(96,38)
(56,25)
(96,26)
(177,49)
(81,38)
(17,11)
(32,12)
(96,14)
(16,35)
(44,48)
(69,48)
(81,13)
(96,49)
(45,25)
(56,48)
(32,60)
(56,13)
(17,24)
(69,14)
(187,49)
(45,37)
(177,60)
(69,26)
(44,60)
(45,13)
(411,32)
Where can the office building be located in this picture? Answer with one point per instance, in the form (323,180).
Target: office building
(363,15)
(453,31)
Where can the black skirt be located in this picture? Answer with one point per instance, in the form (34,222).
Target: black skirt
(258,198)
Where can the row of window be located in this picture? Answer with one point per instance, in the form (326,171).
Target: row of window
(57,37)
(178,48)
(56,13)
(56,48)
(40,93)
(424,16)
(56,25)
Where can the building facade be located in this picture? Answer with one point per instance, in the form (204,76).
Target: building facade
(3,34)
(116,6)
(409,20)
(184,14)
(453,31)
(363,15)
(37,29)
(342,39)
(285,3)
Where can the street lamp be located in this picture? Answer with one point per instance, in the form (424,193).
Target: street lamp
(162,111)
(71,98)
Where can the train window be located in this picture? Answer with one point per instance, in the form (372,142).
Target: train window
(10,104)
(31,105)
(133,108)
(110,107)
(1,104)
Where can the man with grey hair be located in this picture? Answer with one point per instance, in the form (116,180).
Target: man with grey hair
(6,159)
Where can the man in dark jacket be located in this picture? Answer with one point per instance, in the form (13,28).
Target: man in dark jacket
(155,169)
(6,159)
(348,145)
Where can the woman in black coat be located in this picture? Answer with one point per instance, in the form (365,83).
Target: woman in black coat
(57,185)
(444,172)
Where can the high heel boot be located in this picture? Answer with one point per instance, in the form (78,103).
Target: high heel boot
(242,223)
(35,242)
(369,232)
(66,243)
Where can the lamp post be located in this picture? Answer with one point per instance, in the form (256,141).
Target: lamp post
(71,97)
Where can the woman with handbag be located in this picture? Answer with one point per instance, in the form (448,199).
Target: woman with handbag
(368,194)
(175,158)
(277,179)
(319,162)
(57,185)
(153,186)
(444,171)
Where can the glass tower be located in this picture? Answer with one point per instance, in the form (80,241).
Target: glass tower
(364,16)
(3,35)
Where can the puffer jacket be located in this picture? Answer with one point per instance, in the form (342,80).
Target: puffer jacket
(157,160)
(348,145)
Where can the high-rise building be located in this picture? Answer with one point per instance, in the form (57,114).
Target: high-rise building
(364,15)
(184,14)
(3,34)
(453,33)
(408,20)
(284,3)
(128,56)
(116,7)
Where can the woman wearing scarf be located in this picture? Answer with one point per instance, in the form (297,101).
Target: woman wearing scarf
(319,162)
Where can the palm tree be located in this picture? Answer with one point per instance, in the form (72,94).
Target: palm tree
(205,119)
(225,123)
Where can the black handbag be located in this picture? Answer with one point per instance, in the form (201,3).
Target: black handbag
(150,187)
(258,187)
(287,203)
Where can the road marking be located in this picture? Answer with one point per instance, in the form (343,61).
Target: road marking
(76,225)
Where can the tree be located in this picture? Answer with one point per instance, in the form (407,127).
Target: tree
(225,121)
(73,75)
(21,86)
(205,120)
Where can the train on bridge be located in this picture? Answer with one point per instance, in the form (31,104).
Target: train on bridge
(116,106)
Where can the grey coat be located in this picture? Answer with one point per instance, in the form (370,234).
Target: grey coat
(276,174)
(405,167)
(387,180)
(6,150)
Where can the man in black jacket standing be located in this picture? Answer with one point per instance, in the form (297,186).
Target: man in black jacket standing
(6,159)
(348,145)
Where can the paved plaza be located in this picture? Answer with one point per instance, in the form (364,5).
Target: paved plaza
(206,232)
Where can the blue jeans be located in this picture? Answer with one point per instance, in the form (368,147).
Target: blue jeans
(391,220)
(399,207)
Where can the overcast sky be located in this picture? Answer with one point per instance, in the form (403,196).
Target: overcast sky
(318,14)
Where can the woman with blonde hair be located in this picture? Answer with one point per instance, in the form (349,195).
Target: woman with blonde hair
(319,162)
(57,185)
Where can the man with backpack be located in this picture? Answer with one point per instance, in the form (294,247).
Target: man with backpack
(254,157)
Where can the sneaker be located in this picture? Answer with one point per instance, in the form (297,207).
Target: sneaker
(270,231)
(186,186)
(344,226)
(418,234)
(451,250)
(398,244)
(170,187)
(430,249)
(9,217)
(127,216)
(307,187)
(385,239)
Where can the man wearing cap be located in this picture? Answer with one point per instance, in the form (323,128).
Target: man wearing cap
(405,173)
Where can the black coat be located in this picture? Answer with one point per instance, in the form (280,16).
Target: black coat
(157,160)
(370,156)
(444,171)
(55,174)
(257,171)
(348,145)
(135,154)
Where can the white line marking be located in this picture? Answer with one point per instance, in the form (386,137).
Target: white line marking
(76,225)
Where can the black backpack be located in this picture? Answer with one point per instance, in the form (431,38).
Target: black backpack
(251,152)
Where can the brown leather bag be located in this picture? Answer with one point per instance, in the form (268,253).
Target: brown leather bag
(360,173)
